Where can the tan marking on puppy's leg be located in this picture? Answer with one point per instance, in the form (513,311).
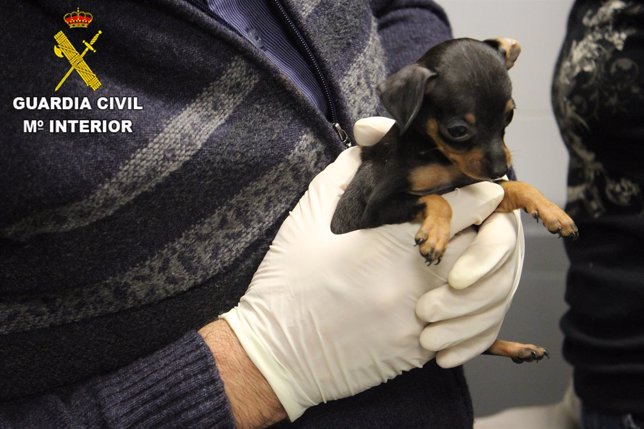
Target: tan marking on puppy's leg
(431,177)
(518,352)
(433,235)
(520,195)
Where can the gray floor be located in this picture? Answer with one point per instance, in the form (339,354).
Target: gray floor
(498,383)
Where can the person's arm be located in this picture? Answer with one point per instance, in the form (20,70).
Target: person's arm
(408,28)
(178,386)
(253,402)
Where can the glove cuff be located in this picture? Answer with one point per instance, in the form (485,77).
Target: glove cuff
(290,395)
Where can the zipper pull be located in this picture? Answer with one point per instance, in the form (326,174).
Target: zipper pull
(344,137)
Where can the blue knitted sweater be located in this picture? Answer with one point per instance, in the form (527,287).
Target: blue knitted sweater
(120,237)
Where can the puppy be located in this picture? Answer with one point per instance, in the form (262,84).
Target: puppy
(451,109)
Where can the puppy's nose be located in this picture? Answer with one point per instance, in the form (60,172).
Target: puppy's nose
(498,170)
(497,164)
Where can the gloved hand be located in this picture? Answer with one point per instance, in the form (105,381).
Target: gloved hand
(466,317)
(327,316)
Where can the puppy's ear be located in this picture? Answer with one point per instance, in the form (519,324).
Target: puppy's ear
(402,93)
(509,49)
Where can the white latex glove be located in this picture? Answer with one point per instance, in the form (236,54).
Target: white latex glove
(466,317)
(327,316)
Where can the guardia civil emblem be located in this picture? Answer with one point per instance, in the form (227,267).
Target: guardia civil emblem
(76,61)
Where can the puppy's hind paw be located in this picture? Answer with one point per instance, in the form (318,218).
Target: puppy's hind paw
(530,353)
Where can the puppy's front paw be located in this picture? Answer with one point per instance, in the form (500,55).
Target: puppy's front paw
(432,239)
(433,235)
(520,195)
(554,219)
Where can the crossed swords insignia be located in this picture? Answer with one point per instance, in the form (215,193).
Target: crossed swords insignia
(66,49)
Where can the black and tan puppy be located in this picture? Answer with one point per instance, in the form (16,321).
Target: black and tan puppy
(451,109)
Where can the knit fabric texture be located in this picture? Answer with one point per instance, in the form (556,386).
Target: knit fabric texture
(137,396)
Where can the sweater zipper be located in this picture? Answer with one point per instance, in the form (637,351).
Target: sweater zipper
(342,134)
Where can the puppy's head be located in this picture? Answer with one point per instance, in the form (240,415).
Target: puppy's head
(459,94)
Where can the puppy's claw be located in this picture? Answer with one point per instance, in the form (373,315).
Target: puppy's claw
(431,260)
(574,234)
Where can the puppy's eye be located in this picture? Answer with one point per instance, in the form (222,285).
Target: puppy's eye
(508,117)
(457,130)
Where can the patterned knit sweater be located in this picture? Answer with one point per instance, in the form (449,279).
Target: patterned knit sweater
(117,243)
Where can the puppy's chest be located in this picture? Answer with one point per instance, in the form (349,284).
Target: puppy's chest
(431,178)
